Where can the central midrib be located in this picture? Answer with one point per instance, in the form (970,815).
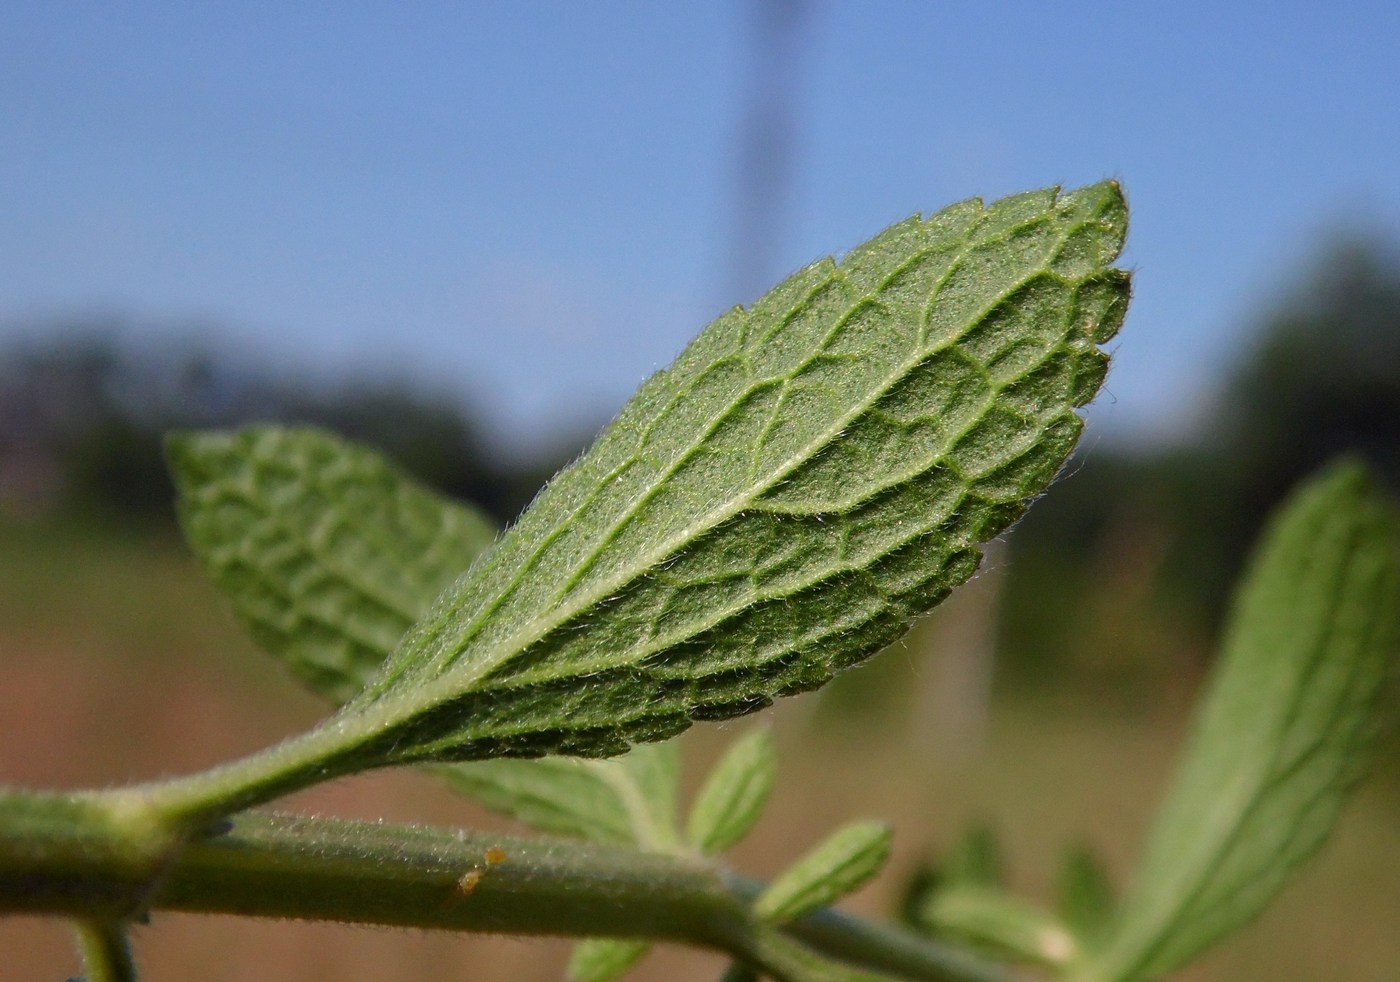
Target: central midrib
(454,679)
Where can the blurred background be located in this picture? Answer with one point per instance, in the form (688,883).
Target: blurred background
(464,233)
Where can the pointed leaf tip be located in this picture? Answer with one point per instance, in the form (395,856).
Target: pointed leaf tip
(1087,902)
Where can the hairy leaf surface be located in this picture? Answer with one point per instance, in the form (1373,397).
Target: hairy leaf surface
(808,476)
(1283,732)
(329,553)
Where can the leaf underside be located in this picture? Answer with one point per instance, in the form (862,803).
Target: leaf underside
(328,554)
(1283,733)
(809,475)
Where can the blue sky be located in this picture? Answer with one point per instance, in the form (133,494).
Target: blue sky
(532,206)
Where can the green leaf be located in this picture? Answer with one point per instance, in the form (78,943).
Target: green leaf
(976,860)
(630,800)
(918,887)
(963,898)
(808,476)
(733,796)
(992,919)
(604,959)
(1087,902)
(652,790)
(846,860)
(1283,733)
(327,552)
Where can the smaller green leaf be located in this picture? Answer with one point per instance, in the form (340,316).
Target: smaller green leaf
(847,860)
(1087,902)
(629,800)
(604,959)
(1283,733)
(992,919)
(327,551)
(977,859)
(739,972)
(918,888)
(650,790)
(733,796)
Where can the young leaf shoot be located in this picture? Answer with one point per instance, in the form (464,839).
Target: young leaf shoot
(845,861)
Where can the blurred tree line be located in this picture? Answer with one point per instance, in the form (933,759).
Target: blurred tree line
(1126,567)
(82,420)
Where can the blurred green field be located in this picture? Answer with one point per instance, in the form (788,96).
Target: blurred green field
(119,663)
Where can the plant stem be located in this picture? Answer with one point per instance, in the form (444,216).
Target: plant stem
(64,858)
(195,802)
(889,947)
(106,952)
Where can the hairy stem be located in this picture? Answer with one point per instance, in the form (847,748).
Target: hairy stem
(196,801)
(65,858)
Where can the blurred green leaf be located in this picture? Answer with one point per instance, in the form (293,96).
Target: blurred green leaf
(1283,733)
(976,859)
(326,550)
(917,889)
(992,919)
(733,796)
(845,861)
(604,959)
(738,972)
(807,477)
(647,779)
(629,800)
(1086,899)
